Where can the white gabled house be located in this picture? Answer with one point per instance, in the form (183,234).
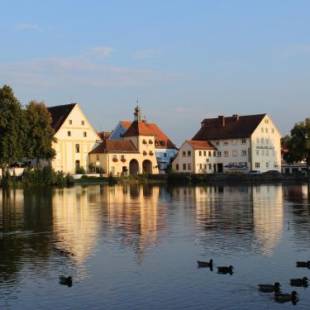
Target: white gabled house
(75,138)
(240,144)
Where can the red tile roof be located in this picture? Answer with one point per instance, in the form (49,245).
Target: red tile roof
(161,139)
(138,128)
(232,127)
(201,145)
(59,114)
(115,146)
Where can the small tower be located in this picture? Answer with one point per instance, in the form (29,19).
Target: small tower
(138,114)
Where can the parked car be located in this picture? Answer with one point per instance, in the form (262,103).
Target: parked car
(254,172)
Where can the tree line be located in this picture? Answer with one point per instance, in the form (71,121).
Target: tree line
(26,133)
(297,143)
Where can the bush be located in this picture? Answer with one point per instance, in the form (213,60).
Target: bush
(80,170)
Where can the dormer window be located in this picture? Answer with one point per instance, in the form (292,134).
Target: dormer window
(150,141)
(70,121)
(82,123)
(144,141)
(69,133)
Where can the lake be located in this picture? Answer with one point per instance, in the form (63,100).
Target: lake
(136,247)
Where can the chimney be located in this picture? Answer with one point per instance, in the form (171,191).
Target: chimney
(204,123)
(221,120)
(236,117)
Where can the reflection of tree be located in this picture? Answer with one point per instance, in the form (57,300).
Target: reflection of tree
(25,217)
(299,211)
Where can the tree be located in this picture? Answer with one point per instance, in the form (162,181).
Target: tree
(40,133)
(12,124)
(298,143)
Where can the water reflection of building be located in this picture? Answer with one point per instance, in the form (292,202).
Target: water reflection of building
(75,223)
(236,218)
(134,214)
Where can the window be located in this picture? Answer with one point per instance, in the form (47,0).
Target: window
(69,133)
(177,167)
(267,164)
(85,134)
(272,130)
(77,148)
(257,165)
(243,152)
(97,157)
(70,121)
(189,153)
(200,153)
(200,166)
(82,122)
(257,152)
(219,154)
(243,141)
(217,142)
(234,153)
(226,153)
(184,153)
(189,166)
(204,153)
(165,154)
(210,167)
(262,140)
(262,129)
(267,153)
(205,166)
(184,167)
(209,153)
(214,153)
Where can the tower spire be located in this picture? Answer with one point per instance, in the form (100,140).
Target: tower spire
(137,113)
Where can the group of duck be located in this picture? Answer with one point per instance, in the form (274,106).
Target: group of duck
(268,288)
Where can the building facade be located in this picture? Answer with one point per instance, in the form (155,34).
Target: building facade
(131,154)
(241,144)
(165,149)
(75,138)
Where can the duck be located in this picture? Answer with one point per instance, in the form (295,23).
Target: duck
(299,282)
(225,269)
(281,298)
(269,288)
(65,280)
(203,264)
(303,264)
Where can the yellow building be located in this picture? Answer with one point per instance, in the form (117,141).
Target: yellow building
(75,138)
(132,154)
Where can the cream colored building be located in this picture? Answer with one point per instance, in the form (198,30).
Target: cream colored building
(132,154)
(195,157)
(241,144)
(75,138)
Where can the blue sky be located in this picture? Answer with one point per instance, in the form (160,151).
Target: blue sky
(184,60)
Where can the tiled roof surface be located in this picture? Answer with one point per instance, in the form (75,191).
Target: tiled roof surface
(201,145)
(59,114)
(138,128)
(161,139)
(115,146)
(232,127)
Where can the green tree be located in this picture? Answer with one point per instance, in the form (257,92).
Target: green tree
(12,123)
(40,133)
(298,143)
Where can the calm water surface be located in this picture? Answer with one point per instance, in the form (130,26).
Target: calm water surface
(135,247)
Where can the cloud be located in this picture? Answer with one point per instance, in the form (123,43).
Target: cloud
(59,73)
(27,27)
(146,54)
(101,51)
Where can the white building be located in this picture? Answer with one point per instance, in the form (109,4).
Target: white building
(241,144)
(75,138)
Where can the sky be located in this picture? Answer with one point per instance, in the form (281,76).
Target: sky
(183,60)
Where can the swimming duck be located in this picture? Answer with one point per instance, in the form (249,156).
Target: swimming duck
(303,264)
(299,282)
(202,264)
(225,269)
(269,288)
(278,297)
(65,280)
